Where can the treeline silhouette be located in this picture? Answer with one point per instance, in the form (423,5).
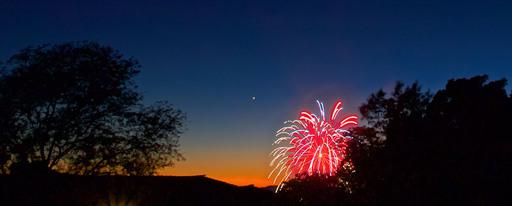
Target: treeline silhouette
(73,108)
(453,147)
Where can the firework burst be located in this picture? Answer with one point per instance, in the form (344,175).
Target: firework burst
(315,145)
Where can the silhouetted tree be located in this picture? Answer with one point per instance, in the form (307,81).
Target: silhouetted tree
(453,148)
(470,141)
(383,150)
(73,107)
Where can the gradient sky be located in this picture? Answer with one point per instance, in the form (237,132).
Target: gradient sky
(209,58)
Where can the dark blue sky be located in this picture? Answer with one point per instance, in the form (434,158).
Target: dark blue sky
(210,58)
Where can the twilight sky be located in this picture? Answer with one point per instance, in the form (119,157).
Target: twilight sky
(210,58)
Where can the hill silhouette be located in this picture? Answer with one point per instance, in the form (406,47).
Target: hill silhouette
(65,189)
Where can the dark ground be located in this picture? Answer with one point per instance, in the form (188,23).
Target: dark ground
(63,189)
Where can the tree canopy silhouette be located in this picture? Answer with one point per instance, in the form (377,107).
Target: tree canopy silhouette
(450,148)
(73,108)
(312,189)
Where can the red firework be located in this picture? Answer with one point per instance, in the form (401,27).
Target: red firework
(315,145)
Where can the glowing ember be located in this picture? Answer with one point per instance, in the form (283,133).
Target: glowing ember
(315,145)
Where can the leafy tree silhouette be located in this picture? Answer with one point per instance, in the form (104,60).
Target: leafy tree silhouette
(469,123)
(73,108)
(452,148)
(314,189)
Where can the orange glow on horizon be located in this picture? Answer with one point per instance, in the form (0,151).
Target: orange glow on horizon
(238,165)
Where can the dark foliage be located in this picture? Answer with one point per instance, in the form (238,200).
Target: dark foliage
(73,108)
(452,148)
(312,189)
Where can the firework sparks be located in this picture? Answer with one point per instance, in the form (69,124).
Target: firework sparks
(315,145)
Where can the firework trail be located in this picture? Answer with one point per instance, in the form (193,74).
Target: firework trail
(315,145)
